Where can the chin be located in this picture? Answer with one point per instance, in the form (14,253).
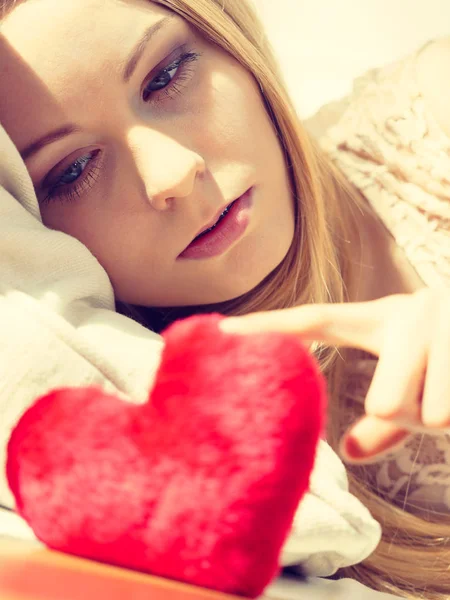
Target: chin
(233,292)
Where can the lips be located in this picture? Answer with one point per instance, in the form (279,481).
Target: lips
(227,228)
(222,215)
(219,215)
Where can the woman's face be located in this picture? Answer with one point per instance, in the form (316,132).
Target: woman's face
(141,154)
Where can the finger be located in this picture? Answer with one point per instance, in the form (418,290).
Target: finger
(396,389)
(356,324)
(370,438)
(436,394)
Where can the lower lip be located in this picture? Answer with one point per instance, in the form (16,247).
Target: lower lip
(229,230)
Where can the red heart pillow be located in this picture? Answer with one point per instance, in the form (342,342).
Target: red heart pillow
(201,483)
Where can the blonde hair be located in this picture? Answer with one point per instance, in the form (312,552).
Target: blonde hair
(318,268)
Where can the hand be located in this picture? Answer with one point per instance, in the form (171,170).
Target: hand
(410,333)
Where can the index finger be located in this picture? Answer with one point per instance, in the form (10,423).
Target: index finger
(351,324)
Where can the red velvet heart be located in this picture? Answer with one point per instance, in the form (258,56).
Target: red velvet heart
(201,483)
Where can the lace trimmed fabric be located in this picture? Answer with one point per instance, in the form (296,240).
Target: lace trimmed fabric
(391,148)
(415,477)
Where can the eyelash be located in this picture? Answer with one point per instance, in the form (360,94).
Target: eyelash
(70,192)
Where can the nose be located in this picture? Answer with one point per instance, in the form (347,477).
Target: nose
(167,168)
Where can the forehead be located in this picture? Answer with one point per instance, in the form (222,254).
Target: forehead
(53,33)
(56,52)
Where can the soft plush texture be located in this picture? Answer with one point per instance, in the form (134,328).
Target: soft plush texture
(200,484)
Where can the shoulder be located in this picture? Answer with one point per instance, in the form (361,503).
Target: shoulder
(433,78)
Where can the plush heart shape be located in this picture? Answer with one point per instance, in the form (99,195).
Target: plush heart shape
(200,484)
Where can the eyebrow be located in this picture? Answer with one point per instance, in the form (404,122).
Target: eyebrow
(49,138)
(140,47)
(130,68)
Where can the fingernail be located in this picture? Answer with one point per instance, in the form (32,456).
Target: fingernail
(370,438)
(353,449)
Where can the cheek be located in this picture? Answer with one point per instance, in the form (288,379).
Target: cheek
(128,260)
(106,235)
(231,116)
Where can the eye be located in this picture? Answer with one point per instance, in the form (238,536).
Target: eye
(74,180)
(163,79)
(169,78)
(75,170)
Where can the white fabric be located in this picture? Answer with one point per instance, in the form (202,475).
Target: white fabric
(59,328)
(12,526)
(286,588)
(331,529)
